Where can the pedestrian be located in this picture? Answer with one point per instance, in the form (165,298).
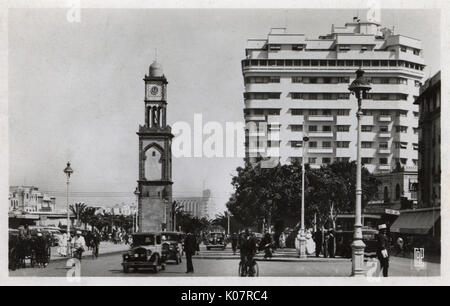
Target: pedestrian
(331,243)
(190,246)
(382,249)
(62,245)
(234,242)
(318,241)
(400,244)
(325,243)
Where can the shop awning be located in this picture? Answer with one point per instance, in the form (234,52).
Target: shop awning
(415,222)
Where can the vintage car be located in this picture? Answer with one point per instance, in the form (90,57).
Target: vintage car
(145,253)
(344,239)
(215,240)
(172,246)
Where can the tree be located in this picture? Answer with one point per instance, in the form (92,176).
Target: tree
(274,195)
(78,210)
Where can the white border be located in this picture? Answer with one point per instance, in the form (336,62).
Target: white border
(208,281)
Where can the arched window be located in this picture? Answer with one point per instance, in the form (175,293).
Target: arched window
(386,194)
(153,162)
(397,192)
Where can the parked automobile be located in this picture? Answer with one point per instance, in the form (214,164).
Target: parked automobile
(215,240)
(344,239)
(145,253)
(172,246)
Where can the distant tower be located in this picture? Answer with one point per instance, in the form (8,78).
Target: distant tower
(155,156)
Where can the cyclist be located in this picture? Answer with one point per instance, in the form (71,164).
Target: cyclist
(248,250)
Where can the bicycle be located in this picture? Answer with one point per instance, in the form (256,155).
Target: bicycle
(248,270)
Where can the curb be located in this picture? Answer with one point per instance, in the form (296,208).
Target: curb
(278,259)
(88,256)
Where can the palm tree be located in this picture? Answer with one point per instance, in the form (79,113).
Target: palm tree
(78,210)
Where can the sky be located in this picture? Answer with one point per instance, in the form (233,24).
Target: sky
(76,90)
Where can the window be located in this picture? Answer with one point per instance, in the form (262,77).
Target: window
(326,128)
(297,47)
(343,159)
(416,114)
(312,144)
(417,83)
(416,146)
(312,128)
(274,79)
(297,112)
(383,161)
(297,80)
(326,160)
(274,95)
(326,144)
(326,112)
(344,96)
(312,80)
(313,112)
(403,48)
(344,47)
(344,80)
(383,145)
(384,129)
(343,128)
(401,129)
(326,80)
(366,128)
(296,144)
(366,160)
(342,144)
(327,96)
(416,51)
(366,144)
(296,95)
(312,160)
(397,192)
(343,112)
(401,145)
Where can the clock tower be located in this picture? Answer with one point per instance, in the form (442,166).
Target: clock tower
(154,189)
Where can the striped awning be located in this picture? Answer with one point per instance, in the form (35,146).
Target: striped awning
(415,222)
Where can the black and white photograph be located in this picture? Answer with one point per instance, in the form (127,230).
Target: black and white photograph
(153,143)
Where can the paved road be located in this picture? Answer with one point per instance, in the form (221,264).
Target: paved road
(110,265)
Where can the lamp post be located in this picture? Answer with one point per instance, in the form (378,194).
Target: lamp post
(302,239)
(358,87)
(68,171)
(136,217)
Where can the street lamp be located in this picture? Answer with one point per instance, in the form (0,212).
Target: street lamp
(68,171)
(359,87)
(302,239)
(136,216)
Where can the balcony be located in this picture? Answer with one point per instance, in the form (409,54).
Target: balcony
(385,118)
(384,135)
(367,120)
(345,120)
(320,118)
(255,118)
(384,151)
(321,134)
(384,167)
(320,150)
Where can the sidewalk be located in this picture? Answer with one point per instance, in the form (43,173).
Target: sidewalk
(280,255)
(105,248)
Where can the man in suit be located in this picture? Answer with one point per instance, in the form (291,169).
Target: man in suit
(190,246)
(382,249)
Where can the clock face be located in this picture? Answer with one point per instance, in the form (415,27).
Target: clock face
(154,92)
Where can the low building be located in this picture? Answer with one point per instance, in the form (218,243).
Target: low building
(422,226)
(196,206)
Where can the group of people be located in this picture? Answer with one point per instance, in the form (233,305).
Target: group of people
(78,244)
(325,243)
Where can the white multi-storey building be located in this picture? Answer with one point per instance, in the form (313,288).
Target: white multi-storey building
(296,86)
